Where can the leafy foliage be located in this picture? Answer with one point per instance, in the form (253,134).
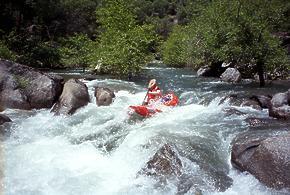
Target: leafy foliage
(124,46)
(122,35)
(5,53)
(231,31)
(32,51)
(174,51)
(77,51)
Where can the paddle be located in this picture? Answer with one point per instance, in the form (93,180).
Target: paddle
(145,97)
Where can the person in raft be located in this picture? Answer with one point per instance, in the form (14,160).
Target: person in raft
(153,93)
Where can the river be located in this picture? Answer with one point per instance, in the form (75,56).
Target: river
(99,150)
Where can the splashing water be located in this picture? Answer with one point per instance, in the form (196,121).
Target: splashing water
(99,150)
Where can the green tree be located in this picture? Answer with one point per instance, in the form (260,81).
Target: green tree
(174,51)
(77,51)
(239,32)
(124,46)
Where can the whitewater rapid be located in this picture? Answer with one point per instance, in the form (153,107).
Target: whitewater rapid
(98,150)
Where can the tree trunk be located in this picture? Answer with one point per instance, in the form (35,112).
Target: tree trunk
(260,70)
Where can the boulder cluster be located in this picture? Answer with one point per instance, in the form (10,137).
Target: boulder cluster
(25,88)
(262,152)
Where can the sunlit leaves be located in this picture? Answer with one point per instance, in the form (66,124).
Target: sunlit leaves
(231,31)
(124,46)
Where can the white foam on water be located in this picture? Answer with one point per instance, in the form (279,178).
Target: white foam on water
(48,154)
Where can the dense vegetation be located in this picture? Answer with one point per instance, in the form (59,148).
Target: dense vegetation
(120,37)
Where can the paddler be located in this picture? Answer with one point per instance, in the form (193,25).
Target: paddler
(153,93)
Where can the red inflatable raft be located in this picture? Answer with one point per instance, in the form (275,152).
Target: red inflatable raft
(156,106)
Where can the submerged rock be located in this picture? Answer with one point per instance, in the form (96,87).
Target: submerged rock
(231,75)
(104,96)
(23,87)
(229,111)
(267,158)
(74,96)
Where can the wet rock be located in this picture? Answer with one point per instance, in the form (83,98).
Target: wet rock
(74,96)
(231,75)
(251,103)
(4,119)
(267,158)
(280,106)
(232,111)
(213,167)
(214,70)
(232,99)
(267,124)
(190,185)
(190,163)
(288,99)
(23,87)
(165,162)
(254,122)
(204,71)
(264,101)
(282,112)
(279,99)
(104,96)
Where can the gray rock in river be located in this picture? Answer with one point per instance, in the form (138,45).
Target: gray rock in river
(204,71)
(23,87)
(251,103)
(280,106)
(4,119)
(104,96)
(231,75)
(280,99)
(266,157)
(264,101)
(166,163)
(212,70)
(74,96)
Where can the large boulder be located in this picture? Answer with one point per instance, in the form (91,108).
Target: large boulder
(280,99)
(282,112)
(4,119)
(104,96)
(165,162)
(231,75)
(280,106)
(267,158)
(23,87)
(74,96)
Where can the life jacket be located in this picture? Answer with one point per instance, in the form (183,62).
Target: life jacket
(154,96)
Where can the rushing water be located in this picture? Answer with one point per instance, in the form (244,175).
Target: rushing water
(99,150)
